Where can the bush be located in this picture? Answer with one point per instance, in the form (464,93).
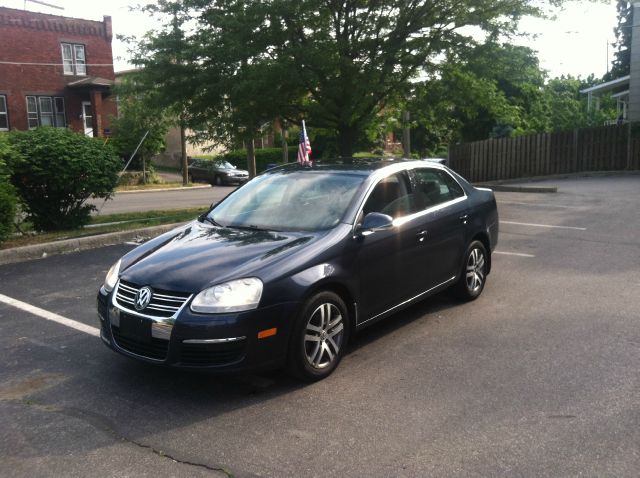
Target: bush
(57,171)
(7,193)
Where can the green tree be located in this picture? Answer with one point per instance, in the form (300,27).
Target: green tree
(622,56)
(337,63)
(139,117)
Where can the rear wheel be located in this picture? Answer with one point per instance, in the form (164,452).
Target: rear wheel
(319,337)
(474,272)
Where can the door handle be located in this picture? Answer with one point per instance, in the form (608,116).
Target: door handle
(422,235)
(464,218)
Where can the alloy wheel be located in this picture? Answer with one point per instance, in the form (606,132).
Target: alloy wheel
(475,270)
(323,336)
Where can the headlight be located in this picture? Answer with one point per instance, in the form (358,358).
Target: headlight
(112,277)
(232,296)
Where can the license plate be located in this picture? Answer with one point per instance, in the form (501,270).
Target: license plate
(135,328)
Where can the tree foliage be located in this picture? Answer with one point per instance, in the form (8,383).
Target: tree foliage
(8,156)
(56,171)
(238,63)
(138,116)
(622,56)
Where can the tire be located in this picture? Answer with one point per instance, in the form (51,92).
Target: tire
(218,181)
(474,272)
(319,337)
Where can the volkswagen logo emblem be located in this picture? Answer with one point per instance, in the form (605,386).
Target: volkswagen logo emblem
(143,297)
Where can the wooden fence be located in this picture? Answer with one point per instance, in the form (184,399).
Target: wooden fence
(607,148)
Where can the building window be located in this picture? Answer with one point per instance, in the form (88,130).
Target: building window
(73,59)
(4,114)
(45,111)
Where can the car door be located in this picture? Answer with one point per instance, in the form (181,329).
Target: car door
(382,257)
(441,216)
(196,170)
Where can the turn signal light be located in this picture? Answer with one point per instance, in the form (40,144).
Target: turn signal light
(263,334)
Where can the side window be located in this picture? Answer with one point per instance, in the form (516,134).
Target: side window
(390,196)
(434,187)
(4,114)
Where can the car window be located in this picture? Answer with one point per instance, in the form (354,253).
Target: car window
(298,200)
(390,196)
(433,187)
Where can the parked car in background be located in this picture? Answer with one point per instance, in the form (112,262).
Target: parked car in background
(287,267)
(216,172)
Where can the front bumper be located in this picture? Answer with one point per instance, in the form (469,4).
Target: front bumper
(217,342)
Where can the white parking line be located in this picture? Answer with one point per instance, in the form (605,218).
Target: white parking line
(543,225)
(45,314)
(519,254)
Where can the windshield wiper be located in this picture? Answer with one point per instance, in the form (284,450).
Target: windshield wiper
(206,218)
(248,227)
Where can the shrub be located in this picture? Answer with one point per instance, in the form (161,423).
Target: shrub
(7,193)
(57,171)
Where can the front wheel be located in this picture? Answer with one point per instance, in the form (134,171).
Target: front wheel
(319,337)
(218,181)
(474,272)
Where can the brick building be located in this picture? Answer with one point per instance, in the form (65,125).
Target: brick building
(55,71)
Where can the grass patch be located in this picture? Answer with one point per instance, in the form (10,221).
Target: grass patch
(106,223)
(142,187)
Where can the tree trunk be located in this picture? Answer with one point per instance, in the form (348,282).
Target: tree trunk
(285,146)
(183,158)
(251,159)
(346,141)
(406,135)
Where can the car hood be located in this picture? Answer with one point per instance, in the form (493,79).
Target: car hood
(233,170)
(195,256)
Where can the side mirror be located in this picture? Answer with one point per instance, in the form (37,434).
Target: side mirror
(373,222)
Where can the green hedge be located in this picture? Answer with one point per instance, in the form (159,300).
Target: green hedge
(57,171)
(7,192)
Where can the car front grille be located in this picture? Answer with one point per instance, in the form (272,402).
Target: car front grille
(156,349)
(163,303)
(211,354)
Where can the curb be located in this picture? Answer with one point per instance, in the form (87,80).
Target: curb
(503,188)
(157,190)
(40,251)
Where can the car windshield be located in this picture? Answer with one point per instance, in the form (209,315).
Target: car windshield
(289,201)
(224,164)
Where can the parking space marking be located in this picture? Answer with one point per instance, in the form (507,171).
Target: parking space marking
(543,225)
(519,254)
(45,314)
(540,204)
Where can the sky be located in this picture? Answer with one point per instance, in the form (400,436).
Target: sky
(574,43)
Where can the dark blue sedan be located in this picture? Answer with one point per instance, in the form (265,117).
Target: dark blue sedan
(286,268)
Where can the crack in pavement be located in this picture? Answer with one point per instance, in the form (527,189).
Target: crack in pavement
(102,423)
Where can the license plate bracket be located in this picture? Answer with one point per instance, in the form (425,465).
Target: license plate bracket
(136,328)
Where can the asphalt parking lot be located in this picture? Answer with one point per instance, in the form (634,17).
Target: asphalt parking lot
(538,377)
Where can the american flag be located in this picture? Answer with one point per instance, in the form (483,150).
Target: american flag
(304,149)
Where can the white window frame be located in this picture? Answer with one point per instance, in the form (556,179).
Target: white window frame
(4,111)
(34,116)
(74,60)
